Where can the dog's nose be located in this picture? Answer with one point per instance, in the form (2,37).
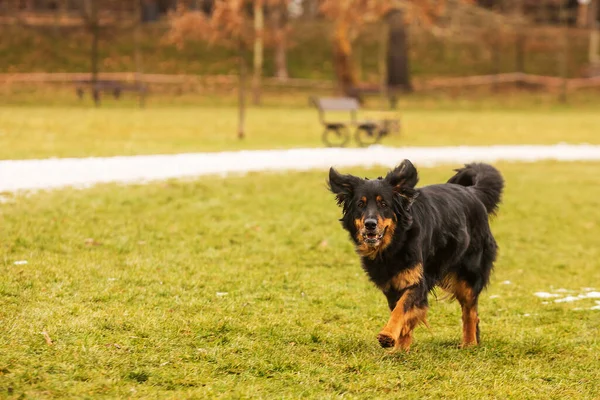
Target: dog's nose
(370,223)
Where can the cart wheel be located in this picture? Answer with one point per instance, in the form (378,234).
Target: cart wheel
(336,136)
(366,136)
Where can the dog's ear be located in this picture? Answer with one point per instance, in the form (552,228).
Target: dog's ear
(342,185)
(403,180)
(403,176)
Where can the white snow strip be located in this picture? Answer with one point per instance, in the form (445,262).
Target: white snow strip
(545,295)
(567,299)
(53,173)
(592,295)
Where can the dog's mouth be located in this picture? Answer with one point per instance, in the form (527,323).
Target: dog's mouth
(373,238)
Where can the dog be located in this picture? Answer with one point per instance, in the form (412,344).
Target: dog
(411,240)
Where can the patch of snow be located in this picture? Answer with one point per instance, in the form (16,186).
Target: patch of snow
(221,294)
(588,289)
(595,307)
(567,299)
(592,295)
(494,296)
(20,262)
(545,295)
(18,175)
(506,282)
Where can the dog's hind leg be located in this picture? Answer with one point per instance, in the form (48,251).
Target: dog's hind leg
(467,298)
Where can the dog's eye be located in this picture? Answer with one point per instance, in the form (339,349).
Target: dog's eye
(383,204)
(361,204)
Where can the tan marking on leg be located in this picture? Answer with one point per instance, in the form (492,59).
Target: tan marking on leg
(464,295)
(413,317)
(462,292)
(470,321)
(400,325)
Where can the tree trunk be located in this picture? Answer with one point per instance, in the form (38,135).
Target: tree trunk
(495,45)
(582,15)
(382,62)
(242,93)
(258,50)
(139,68)
(94,28)
(594,50)
(342,59)
(398,69)
(279,26)
(310,9)
(564,53)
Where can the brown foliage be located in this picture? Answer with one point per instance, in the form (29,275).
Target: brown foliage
(230,23)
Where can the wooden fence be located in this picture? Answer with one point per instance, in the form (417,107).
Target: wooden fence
(548,82)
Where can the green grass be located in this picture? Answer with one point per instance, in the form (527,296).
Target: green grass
(41,132)
(129,281)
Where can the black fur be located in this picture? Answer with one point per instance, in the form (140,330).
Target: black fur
(443,227)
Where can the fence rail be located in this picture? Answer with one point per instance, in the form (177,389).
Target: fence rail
(549,82)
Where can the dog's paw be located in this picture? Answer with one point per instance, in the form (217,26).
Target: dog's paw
(386,340)
(466,345)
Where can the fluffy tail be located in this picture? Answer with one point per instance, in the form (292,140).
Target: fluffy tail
(485,180)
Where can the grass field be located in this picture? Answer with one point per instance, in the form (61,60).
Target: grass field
(247,287)
(41,132)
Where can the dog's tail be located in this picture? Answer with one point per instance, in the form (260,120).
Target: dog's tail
(485,180)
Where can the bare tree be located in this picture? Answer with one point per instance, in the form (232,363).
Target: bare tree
(228,25)
(234,23)
(351,16)
(279,20)
(102,20)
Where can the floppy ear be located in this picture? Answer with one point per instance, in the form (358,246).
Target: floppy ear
(403,180)
(342,185)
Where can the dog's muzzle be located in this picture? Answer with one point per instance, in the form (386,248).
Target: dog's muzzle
(371,234)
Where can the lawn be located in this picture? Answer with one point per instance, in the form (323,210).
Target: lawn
(247,287)
(41,132)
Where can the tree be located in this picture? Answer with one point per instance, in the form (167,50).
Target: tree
(279,20)
(101,19)
(234,23)
(351,16)
(228,25)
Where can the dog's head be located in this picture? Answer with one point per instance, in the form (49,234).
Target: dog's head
(373,210)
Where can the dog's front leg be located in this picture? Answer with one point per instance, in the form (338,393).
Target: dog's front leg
(407,298)
(410,310)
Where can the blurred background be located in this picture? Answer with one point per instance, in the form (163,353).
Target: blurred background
(182,47)
(387,54)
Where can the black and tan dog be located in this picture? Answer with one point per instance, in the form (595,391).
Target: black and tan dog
(411,240)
